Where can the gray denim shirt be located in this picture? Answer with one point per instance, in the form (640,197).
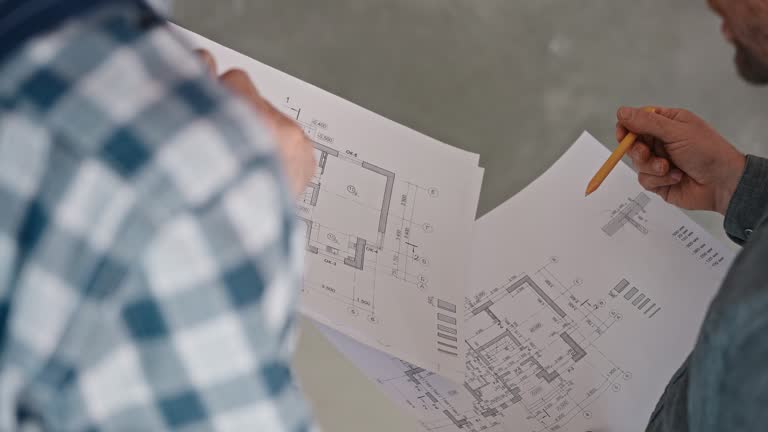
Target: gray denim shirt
(723,385)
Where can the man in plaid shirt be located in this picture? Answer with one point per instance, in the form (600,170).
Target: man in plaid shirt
(149,259)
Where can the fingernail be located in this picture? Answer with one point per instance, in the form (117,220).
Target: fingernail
(659,165)
(625,113)
(677,175)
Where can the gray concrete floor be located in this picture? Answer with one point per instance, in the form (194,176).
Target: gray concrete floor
(513,80)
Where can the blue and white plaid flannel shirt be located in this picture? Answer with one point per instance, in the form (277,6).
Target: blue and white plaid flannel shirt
(149,261)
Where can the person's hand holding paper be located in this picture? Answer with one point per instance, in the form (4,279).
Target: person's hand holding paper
(681,158)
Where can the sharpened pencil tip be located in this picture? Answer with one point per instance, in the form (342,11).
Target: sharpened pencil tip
(593,185)
(591,188)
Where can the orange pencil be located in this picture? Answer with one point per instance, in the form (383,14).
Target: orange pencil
(614,159)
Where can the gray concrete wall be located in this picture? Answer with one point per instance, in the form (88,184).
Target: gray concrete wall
(514,80)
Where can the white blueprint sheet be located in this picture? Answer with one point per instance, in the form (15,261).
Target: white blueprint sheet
(579,312)
(388,219)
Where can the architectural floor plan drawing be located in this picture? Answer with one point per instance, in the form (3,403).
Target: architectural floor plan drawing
(386,241)
(568,328)
(533,360)
(354,187)
(365,232)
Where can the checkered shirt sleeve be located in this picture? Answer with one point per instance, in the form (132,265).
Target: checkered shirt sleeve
(149,258)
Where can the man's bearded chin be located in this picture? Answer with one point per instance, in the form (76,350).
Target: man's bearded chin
(751,67)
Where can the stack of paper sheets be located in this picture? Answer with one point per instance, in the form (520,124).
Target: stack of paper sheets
(578,314)
(552,312)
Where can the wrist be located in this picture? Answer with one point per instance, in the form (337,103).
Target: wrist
(729,181)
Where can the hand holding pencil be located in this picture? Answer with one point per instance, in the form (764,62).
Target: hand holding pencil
(678,156)
(624,146)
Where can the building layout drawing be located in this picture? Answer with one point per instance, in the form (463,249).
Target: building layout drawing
(530,340)
(369,237)
(532,359)
(361,226)
(342,183)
